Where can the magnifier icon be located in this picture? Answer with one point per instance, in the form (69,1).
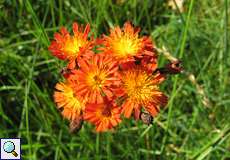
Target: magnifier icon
(9,147)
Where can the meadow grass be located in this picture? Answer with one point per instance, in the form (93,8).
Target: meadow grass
(194,125)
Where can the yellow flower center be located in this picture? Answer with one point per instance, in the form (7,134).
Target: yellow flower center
(73,100)
(139,86)
(96,79)
(73,45)
(126,45)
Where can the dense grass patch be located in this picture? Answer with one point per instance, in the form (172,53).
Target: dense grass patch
(194,124)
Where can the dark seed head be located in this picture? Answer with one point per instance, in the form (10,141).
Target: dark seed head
(146,118)
(75,125)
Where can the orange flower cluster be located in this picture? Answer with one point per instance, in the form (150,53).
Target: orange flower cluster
(108,77)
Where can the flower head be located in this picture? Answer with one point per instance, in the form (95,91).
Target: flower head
(140,89)
(96,77)
(125,44)
(68,47)
(105,115)
(66,100)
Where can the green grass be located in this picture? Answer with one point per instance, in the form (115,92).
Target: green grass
(187,128)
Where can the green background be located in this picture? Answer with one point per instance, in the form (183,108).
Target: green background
(194,125)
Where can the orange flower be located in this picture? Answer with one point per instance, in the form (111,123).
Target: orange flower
(67,47)
(104,115)
(66,99)
(140,89)
(148,63)
(125,44)
(96,77)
